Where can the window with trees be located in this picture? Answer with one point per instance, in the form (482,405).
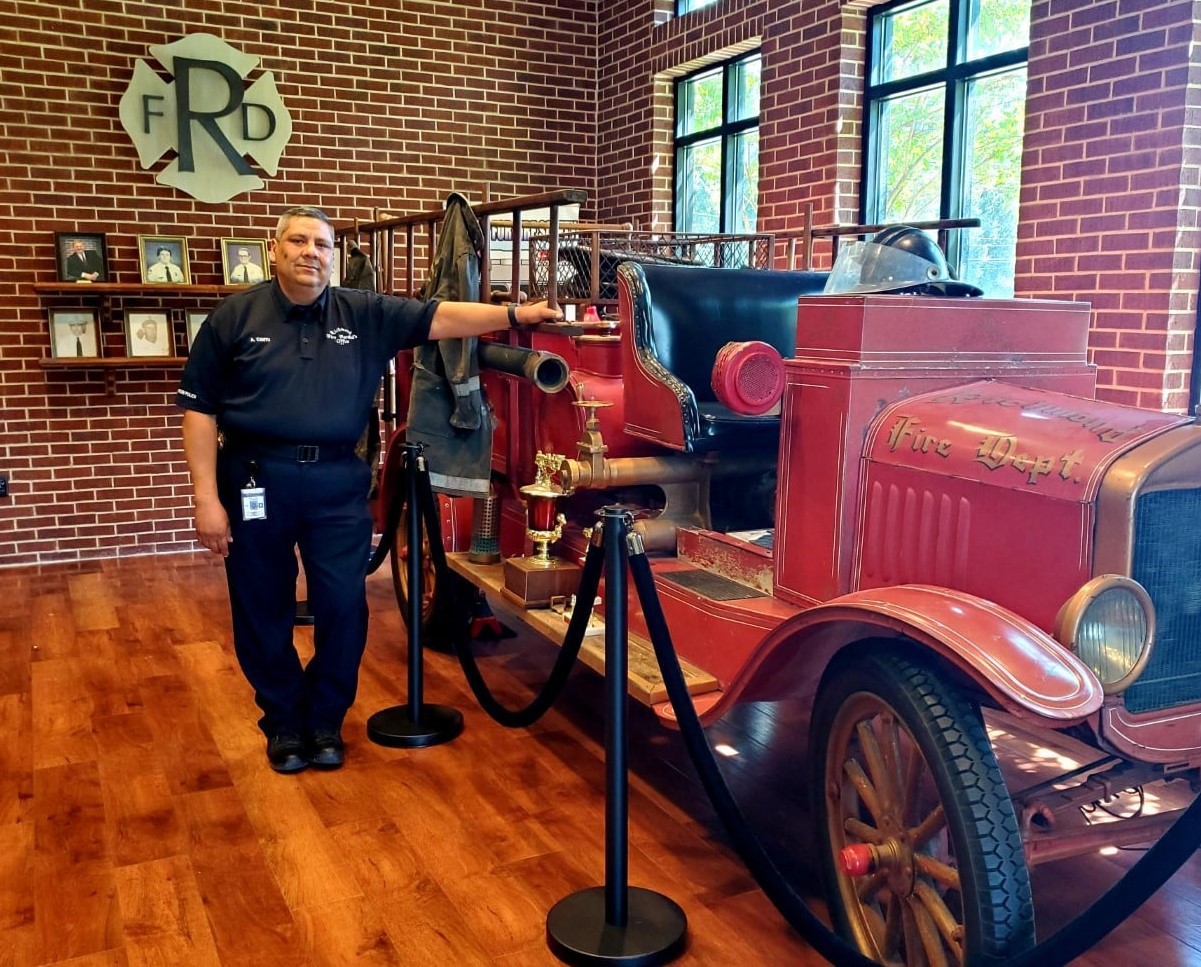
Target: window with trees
(945,110)
(717,148)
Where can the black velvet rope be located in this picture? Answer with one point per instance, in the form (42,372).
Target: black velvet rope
(1151,871)
(564,661)
(388,538)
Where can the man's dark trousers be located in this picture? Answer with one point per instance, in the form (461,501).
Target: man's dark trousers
(320,508)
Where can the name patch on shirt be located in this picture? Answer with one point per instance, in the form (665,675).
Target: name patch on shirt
(342,336)
(260,339)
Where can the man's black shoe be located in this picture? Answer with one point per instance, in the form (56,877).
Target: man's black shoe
(285,752)
(326,749)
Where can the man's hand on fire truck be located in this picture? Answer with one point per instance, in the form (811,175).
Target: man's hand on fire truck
(532,314)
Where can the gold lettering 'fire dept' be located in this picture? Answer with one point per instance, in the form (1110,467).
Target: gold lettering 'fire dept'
(208,116)
(994,452)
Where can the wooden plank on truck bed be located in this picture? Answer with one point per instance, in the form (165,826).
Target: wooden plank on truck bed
(645,682)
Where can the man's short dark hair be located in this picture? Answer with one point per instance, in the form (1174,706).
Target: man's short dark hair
(300,211)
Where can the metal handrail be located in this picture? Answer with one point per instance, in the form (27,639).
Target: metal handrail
(385,253)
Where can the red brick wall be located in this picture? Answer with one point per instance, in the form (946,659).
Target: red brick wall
(1110,186)
(393,108)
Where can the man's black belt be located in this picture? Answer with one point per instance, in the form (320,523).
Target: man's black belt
(283,450)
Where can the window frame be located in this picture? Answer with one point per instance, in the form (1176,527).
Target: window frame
(955,77)
(727,133)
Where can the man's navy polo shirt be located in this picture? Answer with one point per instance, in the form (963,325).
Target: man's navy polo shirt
(305,374)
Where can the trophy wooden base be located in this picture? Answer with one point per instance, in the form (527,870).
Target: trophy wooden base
(531,582)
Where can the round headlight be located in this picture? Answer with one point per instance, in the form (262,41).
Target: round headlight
(1110,625)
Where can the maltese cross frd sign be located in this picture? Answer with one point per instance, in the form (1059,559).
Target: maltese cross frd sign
(208,116)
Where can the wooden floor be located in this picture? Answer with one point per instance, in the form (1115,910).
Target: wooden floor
(141,825)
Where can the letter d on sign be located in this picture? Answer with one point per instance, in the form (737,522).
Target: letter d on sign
(246,135)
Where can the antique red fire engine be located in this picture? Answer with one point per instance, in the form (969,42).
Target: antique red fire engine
(933,521)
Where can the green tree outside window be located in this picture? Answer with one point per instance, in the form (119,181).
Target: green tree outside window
(945,112)
(717,148)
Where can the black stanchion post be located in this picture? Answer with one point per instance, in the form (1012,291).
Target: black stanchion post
(415,724)
(617,787)
(415,582)
(616,923)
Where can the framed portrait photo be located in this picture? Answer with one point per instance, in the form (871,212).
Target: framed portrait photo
(74,334)
(244,261)
(164,259)
(82,257)
(195,321)
(148,333)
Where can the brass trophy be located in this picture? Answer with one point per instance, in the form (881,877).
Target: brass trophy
(532,581)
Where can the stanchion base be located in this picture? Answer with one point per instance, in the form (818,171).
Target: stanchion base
(395,726)
(577,933)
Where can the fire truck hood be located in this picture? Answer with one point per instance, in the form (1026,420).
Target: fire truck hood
(1010,436)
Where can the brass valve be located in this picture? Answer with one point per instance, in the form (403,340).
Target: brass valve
(591,447)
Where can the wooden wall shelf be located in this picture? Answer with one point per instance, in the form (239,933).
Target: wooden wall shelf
(109,365)
(111,362)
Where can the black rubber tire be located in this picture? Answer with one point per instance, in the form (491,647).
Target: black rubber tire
(943,757)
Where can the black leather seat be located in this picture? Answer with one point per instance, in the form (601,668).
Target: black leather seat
(674,321)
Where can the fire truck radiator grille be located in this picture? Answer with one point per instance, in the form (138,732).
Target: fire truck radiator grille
(711,586)
(1167,562)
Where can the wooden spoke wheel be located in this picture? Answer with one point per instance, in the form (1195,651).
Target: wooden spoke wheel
(923,860)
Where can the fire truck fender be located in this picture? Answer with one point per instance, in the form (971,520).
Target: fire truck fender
(1018,665)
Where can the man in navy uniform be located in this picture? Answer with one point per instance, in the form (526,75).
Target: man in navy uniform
(285,375)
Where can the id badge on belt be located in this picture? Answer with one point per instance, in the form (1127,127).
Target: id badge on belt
(254,498)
